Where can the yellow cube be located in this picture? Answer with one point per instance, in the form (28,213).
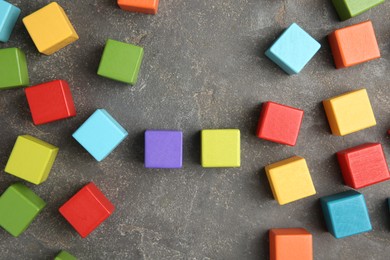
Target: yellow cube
(349,112)
(220,148)
(290,180)
(50,28)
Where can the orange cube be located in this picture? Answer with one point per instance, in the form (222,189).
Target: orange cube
(290,244)
(139,6)
(354,44)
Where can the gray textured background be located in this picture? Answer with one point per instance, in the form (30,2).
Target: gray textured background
(203,68)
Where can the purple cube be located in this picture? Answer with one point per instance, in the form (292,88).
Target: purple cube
(163,149)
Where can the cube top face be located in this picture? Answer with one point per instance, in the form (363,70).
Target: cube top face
(346,214)
(9,14)
(293,49)
(220,148)
(50,28)
(350,8)
(363,165)
(354,44)
(290,244)
(100,134)
(141,6)
(63,255)
(13,69)
(290,180)
(31,159)
(18,208)
(349,112)
(87,209)
(279,123)
(163,149)
(50,101)
(121,61)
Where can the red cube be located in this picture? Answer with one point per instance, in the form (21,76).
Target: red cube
(50,101)
(87,209)
(279,123)
(363,165)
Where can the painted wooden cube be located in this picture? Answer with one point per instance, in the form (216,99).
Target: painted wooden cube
(139,6)
(354,44)
(220,148)
(121,61)
(13,69)
(100,134)
(19,206)
(50,101)
(9,14)
(293,49)
(279,123)
(163,149)
(350,8)
(290,244)
(363,165)
(31,159)
(50,29)
(349,112)
(87,209)
(290,180)
(64,255)
(346,214)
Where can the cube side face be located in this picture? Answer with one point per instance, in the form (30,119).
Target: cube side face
(358,7)
(13,69)
(9,15)
(139,6)
(31,159)
(342,9)
(100,134)
(121,61)
(64,255)
(220,148)
(19,206)
(331,116)
(48,102)
(279,123)
(336,52)
(163,149)
(292,245)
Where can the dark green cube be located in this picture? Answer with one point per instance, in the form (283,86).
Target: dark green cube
(13,69)
(350,8)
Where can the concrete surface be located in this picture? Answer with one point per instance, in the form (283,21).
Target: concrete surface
(203,68)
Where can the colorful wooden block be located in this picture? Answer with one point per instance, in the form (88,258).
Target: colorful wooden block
(220,148)
(9,14)
(50,29)
(163,149)
(64,255)
(349,112)
(363,165)
(279,123)
(140,6)
(290,244)
(87,209)
(290,180)
(354,44)
(121,61)
(100,134)
(50,101)
(19,206)
(293,49)
(13,69)
(31,159)
(346,214)
(350,8)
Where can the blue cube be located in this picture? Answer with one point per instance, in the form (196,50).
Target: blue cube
(9,14)
(346,214)
(293,49)
(100,134)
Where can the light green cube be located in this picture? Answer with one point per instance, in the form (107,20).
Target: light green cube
(13,69)
(350,8)
(31,159)
(63,255)
(121,61)
(19,206)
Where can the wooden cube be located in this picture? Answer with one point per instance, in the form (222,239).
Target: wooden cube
(349,112)
(140,6)
(350,8)
(9,14)
(290,180)
(13,69)
(64,255)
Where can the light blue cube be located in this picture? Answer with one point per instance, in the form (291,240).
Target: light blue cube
(9,14)
(100,134)
(293,49)
(346,214)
